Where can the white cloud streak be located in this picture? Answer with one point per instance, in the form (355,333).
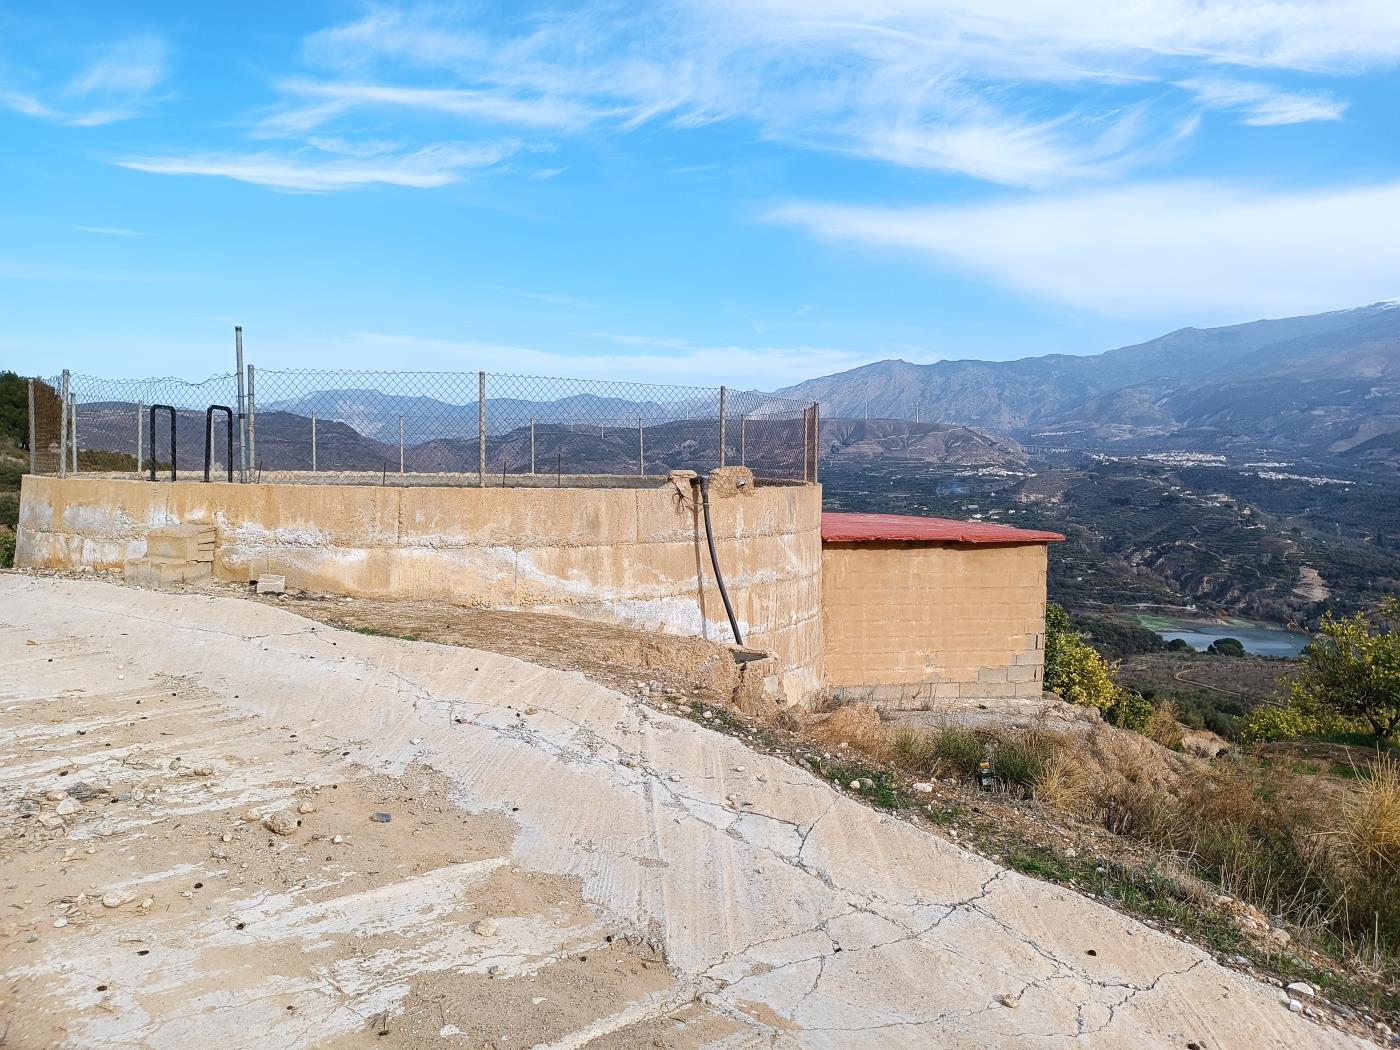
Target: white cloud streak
(765,367)
(318,172)
(1263,105)
(1153,251)
(934,84)
(115,86)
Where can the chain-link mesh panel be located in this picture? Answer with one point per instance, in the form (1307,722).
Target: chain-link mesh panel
(426,427)
(111,423)
(45,425)
(474,428)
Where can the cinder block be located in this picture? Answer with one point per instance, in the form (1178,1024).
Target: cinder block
(160,572)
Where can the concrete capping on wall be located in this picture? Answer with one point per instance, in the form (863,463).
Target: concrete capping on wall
(634,555)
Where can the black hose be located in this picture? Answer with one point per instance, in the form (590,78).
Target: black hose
(703,483)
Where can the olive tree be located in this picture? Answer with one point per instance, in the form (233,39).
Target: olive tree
(1352,668)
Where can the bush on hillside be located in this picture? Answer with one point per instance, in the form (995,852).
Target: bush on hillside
(1352,670)
(1226,647)
(1072,667)
(14,409)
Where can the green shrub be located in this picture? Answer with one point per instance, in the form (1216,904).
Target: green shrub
(1018,762)
(1072,667)
(912,749)
(7,550)
(1130,710)
(1226,647)
(1352,670)
(957,749)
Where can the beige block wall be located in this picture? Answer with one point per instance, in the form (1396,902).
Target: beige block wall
(636,556)
(913,623)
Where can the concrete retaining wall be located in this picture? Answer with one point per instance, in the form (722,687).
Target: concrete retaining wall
(907,624)
(630,555)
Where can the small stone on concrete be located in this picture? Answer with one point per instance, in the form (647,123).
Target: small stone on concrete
(485,928)
(279,823)
(381,817)
(1302,988)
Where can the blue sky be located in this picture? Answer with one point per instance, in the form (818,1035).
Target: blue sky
(742,191)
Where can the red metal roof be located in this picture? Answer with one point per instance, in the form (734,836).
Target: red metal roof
(859,528)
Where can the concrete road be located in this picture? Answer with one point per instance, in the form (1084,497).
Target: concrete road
(191,858)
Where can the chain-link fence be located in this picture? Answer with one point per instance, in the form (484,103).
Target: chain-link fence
(424,428)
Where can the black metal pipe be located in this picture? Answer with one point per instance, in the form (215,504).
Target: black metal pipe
(209,438)
(171,410)
(703,484)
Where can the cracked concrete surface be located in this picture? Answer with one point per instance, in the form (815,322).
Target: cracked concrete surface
(789,916)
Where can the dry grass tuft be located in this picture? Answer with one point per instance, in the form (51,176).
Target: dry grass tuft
(1163,725)
(1369,833)
(1064,784)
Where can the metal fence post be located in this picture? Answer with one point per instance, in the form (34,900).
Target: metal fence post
(33,434)
(481,429)
(140,433)
(816,441)
(313,442)
(723,400)
(242,405)
(807,443)
(532,444)
(252,406)
(63,426)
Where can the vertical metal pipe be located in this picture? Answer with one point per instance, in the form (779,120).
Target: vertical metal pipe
(816,441)
(33,432)
(806,444)
(641,450)
(723,401)
(242,405)
(400,446)
(63,425)
(252,406)
(140,433)
(481,429)
(313,442)
(532,444)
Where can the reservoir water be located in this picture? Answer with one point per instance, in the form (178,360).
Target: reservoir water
(1261,639)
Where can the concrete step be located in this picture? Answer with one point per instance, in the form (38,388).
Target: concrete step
(194,541)
(161,571)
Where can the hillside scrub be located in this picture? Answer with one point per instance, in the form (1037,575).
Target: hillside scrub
(1075,670)
(1323,857)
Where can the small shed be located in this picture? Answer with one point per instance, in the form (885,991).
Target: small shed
(922,609)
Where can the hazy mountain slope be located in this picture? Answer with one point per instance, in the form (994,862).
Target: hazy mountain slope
(1315,384)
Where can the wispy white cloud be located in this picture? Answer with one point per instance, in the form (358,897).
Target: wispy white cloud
(318,172)
(558,300)
(1148,251)
(937,84)
(764,367)
(109,231)
(1263,105)
(115,85)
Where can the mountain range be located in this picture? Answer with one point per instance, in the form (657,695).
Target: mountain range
(1320,385)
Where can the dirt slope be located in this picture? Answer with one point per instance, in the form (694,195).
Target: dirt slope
(563,866)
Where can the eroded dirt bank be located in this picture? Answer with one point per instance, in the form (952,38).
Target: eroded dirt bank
(563,866)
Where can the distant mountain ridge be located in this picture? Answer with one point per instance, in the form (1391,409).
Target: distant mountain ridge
(1321,384)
